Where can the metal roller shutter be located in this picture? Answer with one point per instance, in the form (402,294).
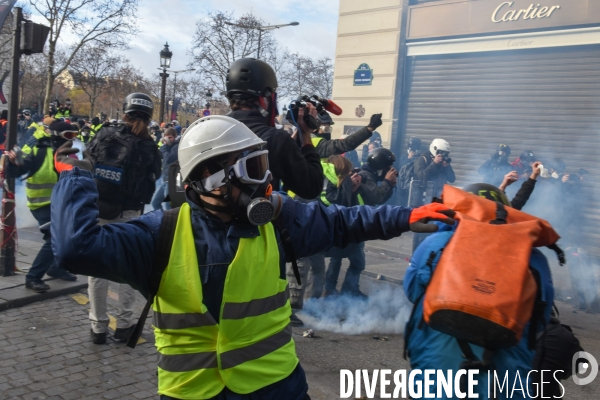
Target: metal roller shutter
(545,100)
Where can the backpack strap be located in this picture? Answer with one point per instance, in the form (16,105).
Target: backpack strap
(537,316)
(162,253)
(472,362)
(501,214)
(288,248)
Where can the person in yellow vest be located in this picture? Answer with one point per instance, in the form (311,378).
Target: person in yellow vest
(95,126)
(221,313)
(38,166)
(325,148)
(342,188)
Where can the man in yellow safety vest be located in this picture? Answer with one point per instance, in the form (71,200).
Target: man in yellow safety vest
(220,298)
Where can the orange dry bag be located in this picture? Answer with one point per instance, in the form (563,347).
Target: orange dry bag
(483,291)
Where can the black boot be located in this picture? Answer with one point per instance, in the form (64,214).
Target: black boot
(98,338)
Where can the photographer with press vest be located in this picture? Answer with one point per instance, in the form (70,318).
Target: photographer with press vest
(126,166)
(251,90)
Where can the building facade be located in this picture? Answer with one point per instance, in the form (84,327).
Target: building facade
(477,73)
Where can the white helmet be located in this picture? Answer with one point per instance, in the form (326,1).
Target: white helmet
(210,137)
(439,145)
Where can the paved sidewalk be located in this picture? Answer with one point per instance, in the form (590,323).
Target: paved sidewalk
(12,288)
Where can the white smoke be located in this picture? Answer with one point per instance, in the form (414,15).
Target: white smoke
(385,311)
(23,215)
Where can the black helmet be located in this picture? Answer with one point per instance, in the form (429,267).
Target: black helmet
(138,104)
(380,158)
(527,156)
(249,76)
(414,143)
(325,118)
(487,191)
(505,148)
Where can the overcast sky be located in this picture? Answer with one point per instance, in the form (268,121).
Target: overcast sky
(174,21)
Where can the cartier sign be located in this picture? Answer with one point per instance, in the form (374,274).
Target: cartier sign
(453,18)
(512,14)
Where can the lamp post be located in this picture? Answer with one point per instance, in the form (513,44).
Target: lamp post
(208,97)
(165,63)
(175,80)
(262,29)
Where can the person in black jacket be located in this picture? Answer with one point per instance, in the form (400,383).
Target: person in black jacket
(379,178)
(326,147)
(123,189)
(168,150)
(497,166)
(435,166)
(251,86)
(522,196)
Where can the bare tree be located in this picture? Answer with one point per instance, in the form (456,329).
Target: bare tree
(302,75)
(106,22)
(217,44)
(93,67)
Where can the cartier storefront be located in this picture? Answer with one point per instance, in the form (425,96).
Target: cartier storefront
(479,73)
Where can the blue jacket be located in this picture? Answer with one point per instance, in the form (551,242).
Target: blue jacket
(169,156)
(431,349)
(124,252)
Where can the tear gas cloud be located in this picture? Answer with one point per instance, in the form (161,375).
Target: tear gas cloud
(23,215)
(385,311)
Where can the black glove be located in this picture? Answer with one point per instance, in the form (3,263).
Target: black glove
(375,121)
(62,161)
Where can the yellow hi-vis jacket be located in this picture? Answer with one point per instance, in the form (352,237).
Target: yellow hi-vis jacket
(38,187)
(251,347)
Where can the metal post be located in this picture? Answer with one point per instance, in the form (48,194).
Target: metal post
(8,230)
(163,88)
(174,91)
(259,39)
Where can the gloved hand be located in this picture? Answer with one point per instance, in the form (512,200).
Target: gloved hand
(375,121)
(62,161)
(419,217)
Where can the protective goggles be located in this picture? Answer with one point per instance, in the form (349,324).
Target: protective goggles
(252,169)
(69,135)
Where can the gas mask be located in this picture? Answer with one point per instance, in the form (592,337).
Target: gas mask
(250,174)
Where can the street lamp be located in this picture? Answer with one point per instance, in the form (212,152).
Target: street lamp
(208,97)
(165,63)
(262,29)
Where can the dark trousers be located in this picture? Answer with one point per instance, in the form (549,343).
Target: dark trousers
(45,258)
(355,253)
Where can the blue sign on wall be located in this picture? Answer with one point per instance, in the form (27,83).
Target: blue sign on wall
(363,76)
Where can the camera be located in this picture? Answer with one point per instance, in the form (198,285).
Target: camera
(355,170)
(302,102)
(320,104)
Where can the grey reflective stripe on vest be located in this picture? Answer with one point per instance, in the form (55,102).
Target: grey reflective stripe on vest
(182,321)
(38,200)
(236,357)
(187,362)
(39,186)
(256,307)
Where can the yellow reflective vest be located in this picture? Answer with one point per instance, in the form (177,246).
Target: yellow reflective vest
(251,347)
(40,132)
(330,176)
(38,187)
(94,129)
